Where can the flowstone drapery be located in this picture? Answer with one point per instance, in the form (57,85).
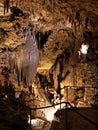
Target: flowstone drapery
(24,60)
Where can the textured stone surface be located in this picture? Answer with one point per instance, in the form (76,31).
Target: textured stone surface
(61,27)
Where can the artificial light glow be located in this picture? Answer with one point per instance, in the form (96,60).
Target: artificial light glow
(36,122)
(84,48)
(33,121)
(50,113)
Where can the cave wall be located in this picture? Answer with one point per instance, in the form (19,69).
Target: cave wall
(60,27)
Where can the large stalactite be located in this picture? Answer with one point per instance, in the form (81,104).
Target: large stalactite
(25,60)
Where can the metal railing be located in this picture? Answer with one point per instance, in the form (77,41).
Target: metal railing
(66,106)
(75,88)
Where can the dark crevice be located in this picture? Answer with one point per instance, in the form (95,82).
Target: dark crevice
(42,38)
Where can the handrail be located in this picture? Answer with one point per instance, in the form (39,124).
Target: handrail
(74,108)
(66,104)
(76,87)
(86,118)
(47,106)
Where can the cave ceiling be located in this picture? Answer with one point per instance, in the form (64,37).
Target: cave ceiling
(61,26)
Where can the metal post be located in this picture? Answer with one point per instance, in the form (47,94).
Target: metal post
(30,119)
(60,102)
(66,107)
(66,93)
(66,116)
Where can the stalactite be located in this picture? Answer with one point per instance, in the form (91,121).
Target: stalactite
(12,61)
(25,60)
(30,58)
(6,5)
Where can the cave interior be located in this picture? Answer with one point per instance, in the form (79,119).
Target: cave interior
(49,64)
